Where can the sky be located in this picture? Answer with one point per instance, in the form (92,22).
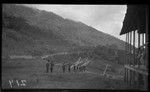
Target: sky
(104,18)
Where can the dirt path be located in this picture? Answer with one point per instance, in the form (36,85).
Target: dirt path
(61,53)
(45,56)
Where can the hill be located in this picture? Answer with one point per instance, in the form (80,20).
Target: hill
(31,31)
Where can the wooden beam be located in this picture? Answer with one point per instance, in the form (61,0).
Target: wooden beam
(105,69)
(136,70)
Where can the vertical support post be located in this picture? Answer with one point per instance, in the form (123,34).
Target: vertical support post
(134,61)
(147,42)
(134,80)
(143,39)
(146,36)
(138,40)
(130,55)
(138,59)
(143,44)
(125,73)
(130,47)
(134,47)
(126,50)
(131,77)
(127,76)
(138,45)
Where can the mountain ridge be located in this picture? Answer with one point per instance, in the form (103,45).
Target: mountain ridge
(55,29)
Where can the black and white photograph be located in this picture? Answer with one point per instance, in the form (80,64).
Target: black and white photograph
(74,46)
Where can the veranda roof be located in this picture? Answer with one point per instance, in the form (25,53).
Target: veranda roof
(135,19)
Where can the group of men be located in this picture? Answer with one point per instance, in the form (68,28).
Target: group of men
(49,66)
(64,66)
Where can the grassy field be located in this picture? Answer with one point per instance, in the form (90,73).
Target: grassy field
(34,72)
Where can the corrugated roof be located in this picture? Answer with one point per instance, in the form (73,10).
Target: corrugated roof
(135,19)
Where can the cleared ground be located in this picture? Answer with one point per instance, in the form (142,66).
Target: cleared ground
(34,72)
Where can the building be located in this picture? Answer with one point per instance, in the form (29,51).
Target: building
(136,23)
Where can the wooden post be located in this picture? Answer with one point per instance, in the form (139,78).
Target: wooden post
(146,35)
(130,77)
(105,70)
(127,47)
(134,46)
(136,75)
(126,50)
(130,37)
(131,47)
(138,40)
(138,45)
(134,79)
(143,44)
(125,75)
(147,42)
(134,58)
(143,39)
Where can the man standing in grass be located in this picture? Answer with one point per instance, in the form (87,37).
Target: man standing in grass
(47,66)
(69,67)
(74,68)
(51,66)
(63,67)
(117,57)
